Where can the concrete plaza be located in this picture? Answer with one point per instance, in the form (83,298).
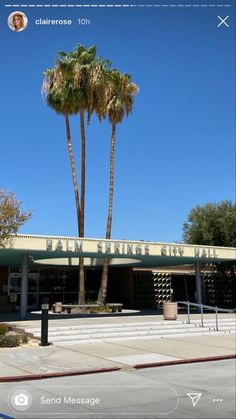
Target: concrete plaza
(174,343)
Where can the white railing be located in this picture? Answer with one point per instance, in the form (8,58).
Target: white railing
(202,307)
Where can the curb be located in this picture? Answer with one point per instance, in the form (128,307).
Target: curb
(185,361)
(16,378)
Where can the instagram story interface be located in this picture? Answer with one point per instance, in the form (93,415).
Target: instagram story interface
(149,87)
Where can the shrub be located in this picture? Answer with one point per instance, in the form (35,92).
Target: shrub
(24,338)
(9,341)
(3,329)
(99,309)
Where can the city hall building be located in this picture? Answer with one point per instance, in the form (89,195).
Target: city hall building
(141,275)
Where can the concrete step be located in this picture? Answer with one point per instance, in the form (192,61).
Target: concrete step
(77,333)
(132,331)
(137,326)
(107,325)
(121,334)
(146,337)
(127,329)
(137,335)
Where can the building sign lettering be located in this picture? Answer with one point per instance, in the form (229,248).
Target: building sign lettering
(172,250)
(122,248)
(128,249)
(70,246)
(103,248)
(199,252)
(205,253)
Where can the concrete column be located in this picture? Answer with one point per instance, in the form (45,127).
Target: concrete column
(198,283)
(24,287)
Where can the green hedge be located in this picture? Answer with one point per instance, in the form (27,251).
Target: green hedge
(3,329)
(11,341)
(100,309)
(24,338)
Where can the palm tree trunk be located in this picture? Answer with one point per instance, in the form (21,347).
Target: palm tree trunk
(104,280)
(82,206)
(83,161)
(78,207)
(74,177)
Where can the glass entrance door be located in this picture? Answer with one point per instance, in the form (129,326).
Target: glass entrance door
(14,289)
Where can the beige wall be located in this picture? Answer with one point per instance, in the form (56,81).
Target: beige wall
(137,249)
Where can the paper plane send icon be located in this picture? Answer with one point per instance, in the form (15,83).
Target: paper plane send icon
(194,397)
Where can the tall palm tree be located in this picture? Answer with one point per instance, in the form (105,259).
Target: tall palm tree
(88,77)
(70,89)
(57,94)
(81,59)
(120,98)
(64,97)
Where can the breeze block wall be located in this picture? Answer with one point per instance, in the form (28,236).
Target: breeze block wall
(151,289)
(220,289)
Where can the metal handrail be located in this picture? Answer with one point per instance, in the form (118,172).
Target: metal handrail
(202,306)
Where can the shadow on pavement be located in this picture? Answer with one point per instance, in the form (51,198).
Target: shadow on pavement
(54,316)
(15,316)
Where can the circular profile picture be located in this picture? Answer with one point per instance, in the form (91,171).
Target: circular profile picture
(17,21)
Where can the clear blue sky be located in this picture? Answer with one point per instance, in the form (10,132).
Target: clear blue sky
(174,152)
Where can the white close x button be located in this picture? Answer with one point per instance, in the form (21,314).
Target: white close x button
(223,21)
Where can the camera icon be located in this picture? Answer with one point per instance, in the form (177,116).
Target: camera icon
(21,400)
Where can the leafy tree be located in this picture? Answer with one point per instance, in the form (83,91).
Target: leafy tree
(212,225)
(120,97)
(11,216)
